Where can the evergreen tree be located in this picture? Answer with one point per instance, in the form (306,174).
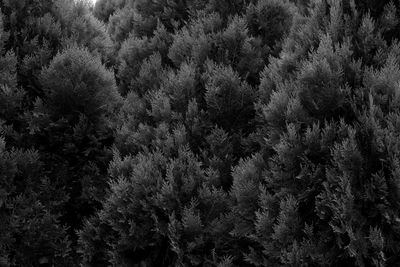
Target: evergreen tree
(103,9)
(199,133)
(80,97)
(30,209)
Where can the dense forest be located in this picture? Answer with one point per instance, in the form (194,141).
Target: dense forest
(199,133)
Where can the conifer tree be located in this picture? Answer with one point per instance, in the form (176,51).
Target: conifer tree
(103,9)
(313,201)
(71,125)
(30,207)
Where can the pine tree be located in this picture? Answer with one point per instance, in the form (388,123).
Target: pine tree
(134,52)
(75,84)
(71,124)
(166,210)
(314,206)
(30,207)
(103,9)
(229,100)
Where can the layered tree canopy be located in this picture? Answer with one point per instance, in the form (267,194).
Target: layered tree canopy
(199,133)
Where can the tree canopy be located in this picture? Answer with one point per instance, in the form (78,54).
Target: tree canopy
(199,133)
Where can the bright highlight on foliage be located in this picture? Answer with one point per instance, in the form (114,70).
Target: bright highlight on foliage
(199,133)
